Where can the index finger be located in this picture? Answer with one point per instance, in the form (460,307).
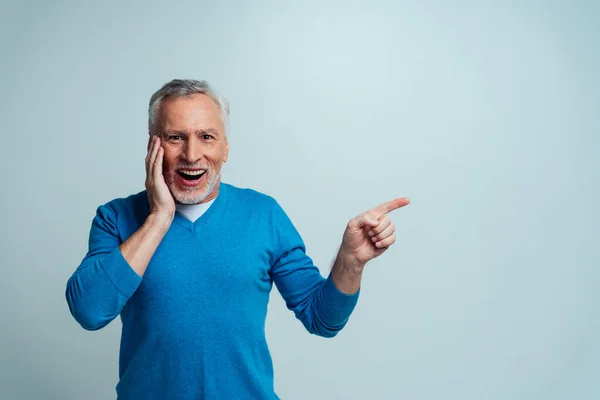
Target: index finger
(150,142)
(390,206)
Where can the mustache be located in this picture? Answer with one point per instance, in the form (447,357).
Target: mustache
(190,166)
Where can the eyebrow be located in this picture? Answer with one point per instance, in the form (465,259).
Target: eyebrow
(198,132)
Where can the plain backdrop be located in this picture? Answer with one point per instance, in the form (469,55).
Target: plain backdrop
(484,114)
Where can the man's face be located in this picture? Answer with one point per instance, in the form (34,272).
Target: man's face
(195,147)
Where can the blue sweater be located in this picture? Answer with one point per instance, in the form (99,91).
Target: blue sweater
(194,324)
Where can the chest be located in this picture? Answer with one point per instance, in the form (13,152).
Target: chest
(218,269)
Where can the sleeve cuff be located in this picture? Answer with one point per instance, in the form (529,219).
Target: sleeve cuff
(120,273)
(336,298)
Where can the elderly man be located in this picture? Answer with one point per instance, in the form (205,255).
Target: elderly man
(189,262)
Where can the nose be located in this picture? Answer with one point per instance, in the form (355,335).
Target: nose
(192,151)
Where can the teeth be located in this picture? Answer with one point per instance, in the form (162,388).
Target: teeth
(188,172)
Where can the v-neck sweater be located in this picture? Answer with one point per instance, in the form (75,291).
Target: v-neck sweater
(193,211)
(193,326)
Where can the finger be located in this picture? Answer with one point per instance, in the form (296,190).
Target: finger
(152,159)
(387,242)
(151,142)
(389,231)
(158,164)
(364,220)
(148,152)
(389,206)
(384,222)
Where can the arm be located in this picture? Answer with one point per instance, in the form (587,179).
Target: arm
(346,273)
(140,247)
(324,305)
(317,302)
(112,271)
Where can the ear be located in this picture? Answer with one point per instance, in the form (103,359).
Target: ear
(226,154)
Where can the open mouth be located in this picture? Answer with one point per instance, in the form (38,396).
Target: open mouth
(191,175)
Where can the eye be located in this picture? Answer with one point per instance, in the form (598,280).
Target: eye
(206,136)
(174,138)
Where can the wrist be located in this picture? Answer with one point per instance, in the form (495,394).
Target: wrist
(347,273)
(160,220)
(349,263)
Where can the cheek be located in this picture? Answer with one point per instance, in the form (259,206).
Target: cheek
(169,159)
(217,156)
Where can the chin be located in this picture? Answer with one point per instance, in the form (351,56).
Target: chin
(195,195)
(190,197)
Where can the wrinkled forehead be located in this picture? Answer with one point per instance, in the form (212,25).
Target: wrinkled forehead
(190,113)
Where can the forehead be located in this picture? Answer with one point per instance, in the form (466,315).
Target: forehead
(196,111)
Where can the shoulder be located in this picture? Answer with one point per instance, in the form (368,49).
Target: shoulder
(133,206)
(247,196)
(255,203)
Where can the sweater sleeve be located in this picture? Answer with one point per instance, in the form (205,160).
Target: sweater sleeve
(316,301)
(101,285)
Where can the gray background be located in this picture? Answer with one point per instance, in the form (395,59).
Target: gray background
(484,114)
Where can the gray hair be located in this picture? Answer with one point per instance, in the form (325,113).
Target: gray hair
(181,88)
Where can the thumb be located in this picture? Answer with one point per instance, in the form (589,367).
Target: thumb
(364,220)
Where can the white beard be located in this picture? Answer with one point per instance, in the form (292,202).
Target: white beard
(191,196)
